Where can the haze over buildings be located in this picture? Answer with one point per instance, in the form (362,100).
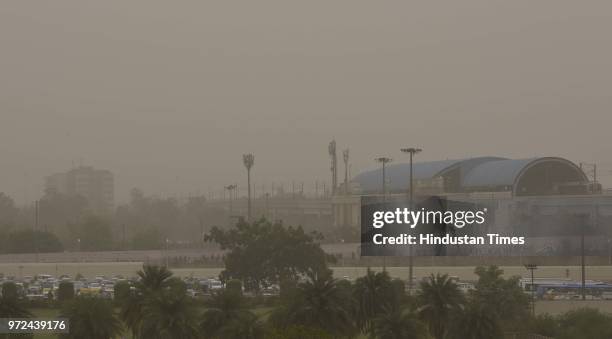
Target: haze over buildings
(169,96)
(97,186)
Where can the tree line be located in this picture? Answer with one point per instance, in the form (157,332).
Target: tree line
(311,303)
(156,306)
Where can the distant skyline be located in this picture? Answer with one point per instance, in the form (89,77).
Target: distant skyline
(168,96)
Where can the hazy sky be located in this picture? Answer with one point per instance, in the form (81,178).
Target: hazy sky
(169,94)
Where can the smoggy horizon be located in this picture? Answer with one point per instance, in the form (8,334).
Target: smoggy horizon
(168,96)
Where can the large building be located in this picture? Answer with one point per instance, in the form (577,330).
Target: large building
(536,195)
(97,186)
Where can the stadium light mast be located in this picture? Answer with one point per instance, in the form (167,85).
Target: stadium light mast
(230,189)
(249,161)
(412,151)
(334,165)
(384,161)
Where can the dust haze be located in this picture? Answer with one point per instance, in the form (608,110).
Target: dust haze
(169,95)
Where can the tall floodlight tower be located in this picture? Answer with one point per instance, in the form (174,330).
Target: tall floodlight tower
(345,157)
(230,189)
(249,161)
(384,161)
(412,151)
(334,165)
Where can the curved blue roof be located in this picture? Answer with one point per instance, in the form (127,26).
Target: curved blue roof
(398,174)
(505,172)
(480,172)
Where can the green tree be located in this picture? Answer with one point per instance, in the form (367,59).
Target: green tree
(8,210)
(585,323)
(226,309)
(297,332)
(372,294)
(398,323)
(10,307)
(152,281)
(234,285)
(476,321)
(91,318)
(544,324)
(29,241)
(439,299)
(245,326)
(153,278)
(10,291)
(59,210)
(148,239)
(158,307)
(65,291)
(169,315)
(122,292)
(95,234)
(502,299)
(318,303)
(261,253)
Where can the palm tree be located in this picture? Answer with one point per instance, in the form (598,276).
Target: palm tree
(91,318)
(249,161)
(438,299)
(168,315)
(226,309)
(372,293)
(11,308)
(397,323)
(320,303)
(245,326)
(153,278)
(477,321)
(9,302)
(152,281)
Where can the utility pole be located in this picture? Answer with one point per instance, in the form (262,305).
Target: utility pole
(384,161)
(412,151)
(592,172)
(345,156)
(334,165)
(249,161)
(532,267)
(167,254)
(230,189)
(35,237)
(202,234)
(267,196)
(582,264)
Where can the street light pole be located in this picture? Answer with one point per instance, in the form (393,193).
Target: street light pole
(532,267)
(609,251)
(167,254)
(345,157)
(384,161)
(412,151)
(248,160)
(582,265)
(230,189)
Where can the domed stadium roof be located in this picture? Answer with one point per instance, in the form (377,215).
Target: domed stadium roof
(544,175)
